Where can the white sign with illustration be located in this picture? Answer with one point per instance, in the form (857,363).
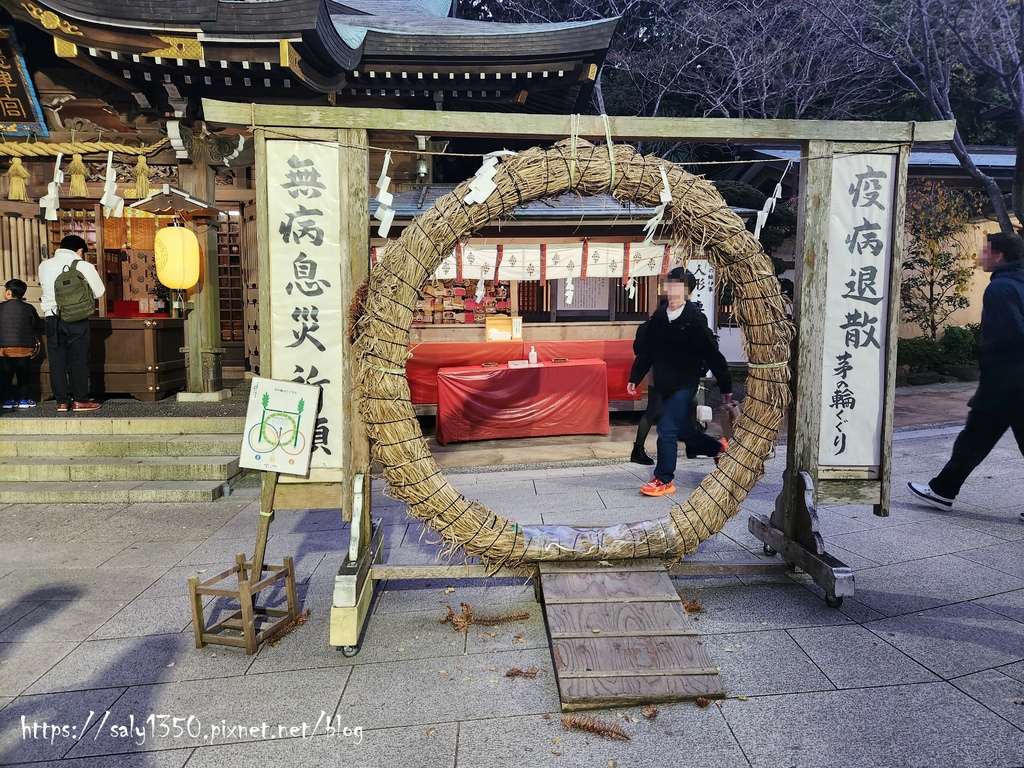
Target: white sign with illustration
(279,426)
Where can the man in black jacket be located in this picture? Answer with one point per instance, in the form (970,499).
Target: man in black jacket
(680,346)
(998,403)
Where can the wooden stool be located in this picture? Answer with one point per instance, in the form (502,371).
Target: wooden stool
(256,624)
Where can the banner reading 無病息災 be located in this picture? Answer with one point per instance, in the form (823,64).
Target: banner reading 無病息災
(306,307)
(856,310)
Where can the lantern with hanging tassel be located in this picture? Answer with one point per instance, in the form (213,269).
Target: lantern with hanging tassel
(16,175)
(77,171)
(142,174)
(176,252)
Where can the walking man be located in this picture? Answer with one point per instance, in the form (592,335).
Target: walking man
(680,346)
(67,343)
(998,403)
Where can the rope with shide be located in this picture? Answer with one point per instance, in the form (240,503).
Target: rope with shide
(697,221)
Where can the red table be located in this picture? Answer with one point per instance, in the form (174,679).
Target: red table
(487,403)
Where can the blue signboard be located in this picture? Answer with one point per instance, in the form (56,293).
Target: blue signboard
(20,114)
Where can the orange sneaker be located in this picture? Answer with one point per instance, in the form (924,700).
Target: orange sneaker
(725,447)
(658,488)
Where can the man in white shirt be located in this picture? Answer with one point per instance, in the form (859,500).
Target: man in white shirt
(67,344)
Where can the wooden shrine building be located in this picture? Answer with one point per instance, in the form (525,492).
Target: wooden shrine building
(132,75)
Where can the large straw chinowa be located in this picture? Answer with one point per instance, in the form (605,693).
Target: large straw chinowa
(698,221)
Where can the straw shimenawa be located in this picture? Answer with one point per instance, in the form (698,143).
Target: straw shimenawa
(698,223)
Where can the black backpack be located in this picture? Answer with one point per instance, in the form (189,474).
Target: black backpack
(73,295)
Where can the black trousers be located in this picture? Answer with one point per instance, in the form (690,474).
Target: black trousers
(12,368)
(979,436)
(67,349)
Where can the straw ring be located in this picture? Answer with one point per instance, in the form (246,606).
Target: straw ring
(697,219)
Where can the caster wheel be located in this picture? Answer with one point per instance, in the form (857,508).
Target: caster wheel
(349,650)
(832,601)
(769,551)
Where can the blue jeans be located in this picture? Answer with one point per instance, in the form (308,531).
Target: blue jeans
(677,424)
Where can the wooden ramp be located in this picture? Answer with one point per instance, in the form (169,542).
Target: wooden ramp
(620,636)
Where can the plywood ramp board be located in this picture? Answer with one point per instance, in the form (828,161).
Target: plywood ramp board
(620,636)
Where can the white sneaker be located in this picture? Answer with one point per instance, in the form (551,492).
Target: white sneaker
(925,492)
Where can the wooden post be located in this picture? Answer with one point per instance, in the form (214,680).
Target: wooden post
(813,209)
(202,324)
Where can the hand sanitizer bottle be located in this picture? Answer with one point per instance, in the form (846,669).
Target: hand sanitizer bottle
(533,356)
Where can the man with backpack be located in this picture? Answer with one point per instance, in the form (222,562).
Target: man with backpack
(70,286)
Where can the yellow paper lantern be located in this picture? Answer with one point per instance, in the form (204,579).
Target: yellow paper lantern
(177,258)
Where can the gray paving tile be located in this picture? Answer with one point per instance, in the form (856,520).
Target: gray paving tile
(432,746)
(605,481)
(163,522)
(147,616)
(167,758)
(1016,671)
(1009,604)
(80,584)
(759,663)
(21,664)
(52,522)
(763,607)
(890,729)
(914,541)
(640,507)
(509,636)
(1003,524)
(484,595)
(923,584)
(60,619)
(140,661)
(531,740)
(956,639)
(308,521)
(409,635)
(215,702)
(853,657)
(60,709)
(44,555)
(151,553)
(174,582)
(854,560)
(1007,557)
(11,610)
(475,687)
(1000,693)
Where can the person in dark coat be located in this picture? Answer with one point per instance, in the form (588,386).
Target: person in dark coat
(19,322)
(678,344)
(998,403)
(652,414)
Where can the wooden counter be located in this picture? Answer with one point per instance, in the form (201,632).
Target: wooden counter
(139,356)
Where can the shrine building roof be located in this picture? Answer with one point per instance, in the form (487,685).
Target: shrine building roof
(369,53)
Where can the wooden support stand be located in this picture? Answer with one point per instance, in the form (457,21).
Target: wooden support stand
(794,534)
(254,623)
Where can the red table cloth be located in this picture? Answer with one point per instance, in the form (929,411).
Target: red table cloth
(478,403)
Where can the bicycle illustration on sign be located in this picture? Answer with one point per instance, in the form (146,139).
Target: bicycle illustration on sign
(277,430)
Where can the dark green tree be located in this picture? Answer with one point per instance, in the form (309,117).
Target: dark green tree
(938,261)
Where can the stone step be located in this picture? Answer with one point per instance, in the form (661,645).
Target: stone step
(122,445)
(150,492)
(117,469)
(92,423)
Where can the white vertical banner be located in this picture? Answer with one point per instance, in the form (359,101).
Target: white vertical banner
(306,311)
(703,270)
(856,310)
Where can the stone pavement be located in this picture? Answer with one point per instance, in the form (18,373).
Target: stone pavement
(923,666)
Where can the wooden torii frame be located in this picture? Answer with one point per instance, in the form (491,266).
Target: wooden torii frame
(792,530)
